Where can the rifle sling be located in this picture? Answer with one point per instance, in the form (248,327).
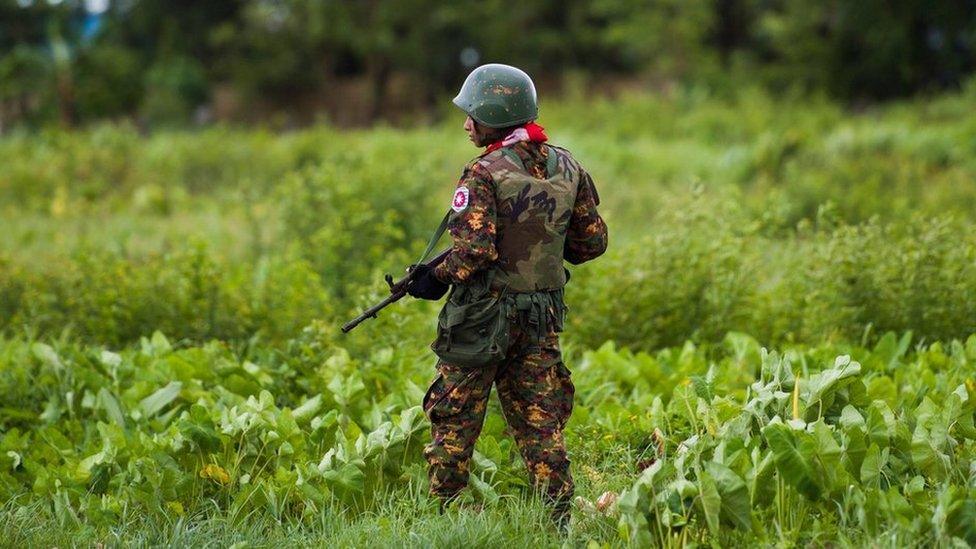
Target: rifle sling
(437,236)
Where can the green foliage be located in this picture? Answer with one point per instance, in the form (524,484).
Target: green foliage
(396,59)
(762,464)
(895,49)
(736,223)
(360,206)
(108,82)
(22,71)
(174,88)
(161,431)
(100,296)
(699,276)
(799,225)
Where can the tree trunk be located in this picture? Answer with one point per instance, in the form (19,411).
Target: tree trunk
(66,99)
(379,71)
(731,28)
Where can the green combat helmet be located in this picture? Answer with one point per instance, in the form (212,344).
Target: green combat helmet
(498,96)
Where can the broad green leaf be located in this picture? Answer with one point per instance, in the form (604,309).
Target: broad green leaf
(914,486)
(871,466)
(378,439)
(200,430)
(926,457)
(745,349)
(883,388)
(964,422)
(155,346)
(46,354)
(855,445)
(113,436)
(265,401)
(480,462)
(85,465)
(346,390)
(955,513)
(348,477)
(52,410)
(158,400)
(653,477)
(890,349)
(736,507)
(710,500)
(881,423)
(308,408)
(286,425)
(110,405)
(850,418)
(326,421)
(110,359)
(761,486)
(485,491)
(793,466)
(821,386)
(703,388)
(160,344)
(411,420)
(828,457)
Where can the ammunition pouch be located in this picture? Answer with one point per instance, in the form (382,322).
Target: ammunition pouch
(474,328)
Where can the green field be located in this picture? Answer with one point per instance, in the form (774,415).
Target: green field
(172,372)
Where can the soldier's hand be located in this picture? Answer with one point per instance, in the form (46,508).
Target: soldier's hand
(425,285)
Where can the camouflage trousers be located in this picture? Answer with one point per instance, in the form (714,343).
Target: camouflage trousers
(536,396)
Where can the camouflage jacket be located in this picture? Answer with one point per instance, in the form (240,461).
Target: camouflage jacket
(521,212)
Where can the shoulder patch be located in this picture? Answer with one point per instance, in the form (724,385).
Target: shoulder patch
(460,200)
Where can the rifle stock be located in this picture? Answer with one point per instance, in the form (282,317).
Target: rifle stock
(398,289)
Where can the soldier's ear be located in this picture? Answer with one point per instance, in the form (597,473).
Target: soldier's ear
(483,133)
(488,135)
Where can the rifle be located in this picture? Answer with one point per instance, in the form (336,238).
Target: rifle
(398,289)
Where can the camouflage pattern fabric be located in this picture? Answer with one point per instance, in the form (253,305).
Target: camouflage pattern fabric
(586,238)
(517,219)
(536,395)
(518,212)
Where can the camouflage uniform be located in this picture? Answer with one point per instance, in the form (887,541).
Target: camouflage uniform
(519,225)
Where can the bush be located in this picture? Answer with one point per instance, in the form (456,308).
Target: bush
(192,294)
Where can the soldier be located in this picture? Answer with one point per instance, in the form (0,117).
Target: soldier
(519,210)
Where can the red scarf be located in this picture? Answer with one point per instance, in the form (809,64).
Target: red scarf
(528,132)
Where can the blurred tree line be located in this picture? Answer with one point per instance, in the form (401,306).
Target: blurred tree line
(179,61)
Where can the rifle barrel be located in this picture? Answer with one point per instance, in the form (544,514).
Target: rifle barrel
(371,312)
(397,291)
